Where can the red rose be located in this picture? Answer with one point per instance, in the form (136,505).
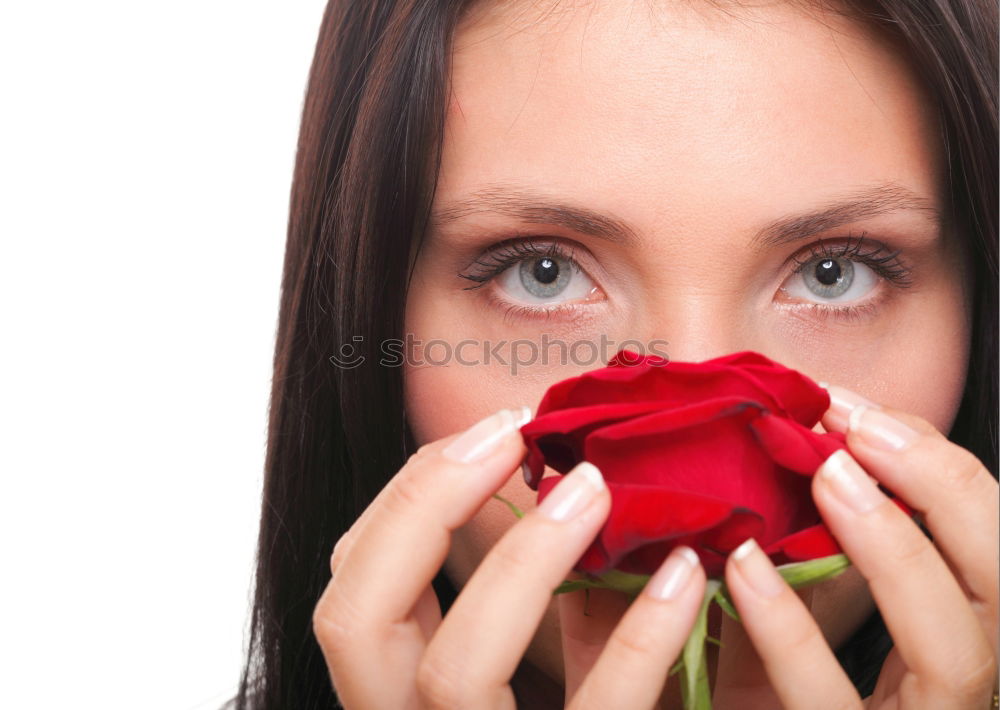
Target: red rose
(700,454)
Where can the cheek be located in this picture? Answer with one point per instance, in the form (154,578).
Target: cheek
(443,397)
(444,400)
(915,361)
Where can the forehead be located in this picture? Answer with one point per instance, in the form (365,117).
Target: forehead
(671,109)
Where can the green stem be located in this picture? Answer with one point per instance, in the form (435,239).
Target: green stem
(695,689)
(693,664)
(514,509)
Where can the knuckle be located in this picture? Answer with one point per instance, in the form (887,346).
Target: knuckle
(973,675)
(416,458)
(423,451)
(801,639)
(638,643)
(913,552)
(511,555)
(901,554)
(961,469)
(441,685)
(334,621)
(406,491)
(339,551)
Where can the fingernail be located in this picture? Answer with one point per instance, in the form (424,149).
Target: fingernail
(849,482)
(881,430)
(844,401)
(757,570)
(573,494)
(674,574)
(483,437)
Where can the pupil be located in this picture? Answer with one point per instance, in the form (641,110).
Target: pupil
(546,271)
(828,272)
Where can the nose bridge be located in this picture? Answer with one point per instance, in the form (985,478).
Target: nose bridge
(696,328)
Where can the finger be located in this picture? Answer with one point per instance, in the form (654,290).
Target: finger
(476,650)
(632,669)
(433,494)
(947,484)
(426,612)
(342,545)
(741,679)
(390,563)
(787,639)
(926,611)
(584,635)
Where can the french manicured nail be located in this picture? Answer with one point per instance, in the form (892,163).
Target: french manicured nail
(843,401)
(880,429)
(483,437)
(757,570)
(573,494)
(849,482)
(674,574)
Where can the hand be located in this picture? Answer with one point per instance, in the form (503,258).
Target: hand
(379,623)
(939,599)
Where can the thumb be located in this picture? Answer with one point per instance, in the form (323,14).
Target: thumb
(585,635)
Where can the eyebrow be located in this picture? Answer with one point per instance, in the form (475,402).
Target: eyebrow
(534,208)
(868,202)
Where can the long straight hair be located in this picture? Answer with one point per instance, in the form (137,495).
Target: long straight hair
(366,167)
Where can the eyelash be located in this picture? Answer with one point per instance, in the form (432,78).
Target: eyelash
(877,256)
(512,251)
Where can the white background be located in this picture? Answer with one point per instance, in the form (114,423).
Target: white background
(146,152)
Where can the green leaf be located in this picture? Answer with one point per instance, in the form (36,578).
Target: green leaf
(725,603)
(676,667)
(802,574)
(575,585)
(517,511)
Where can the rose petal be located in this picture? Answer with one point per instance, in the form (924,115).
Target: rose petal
(807,544)
(628,358)
(792,445)
(556,439)
(647,559)
(801,398)
(742,524)
(798,396)
(706,453)
(680,450)
(643,514)
(751,376)
(901,504)
(810,543)
(712,543)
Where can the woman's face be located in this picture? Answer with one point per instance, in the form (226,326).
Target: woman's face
(690,178)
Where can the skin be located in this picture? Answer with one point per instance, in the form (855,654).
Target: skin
(693,126)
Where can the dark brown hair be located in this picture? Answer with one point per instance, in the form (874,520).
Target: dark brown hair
(365,171)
